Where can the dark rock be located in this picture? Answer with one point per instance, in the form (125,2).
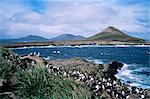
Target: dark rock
(148,93)
(111,69)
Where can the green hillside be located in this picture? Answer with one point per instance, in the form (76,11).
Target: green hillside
(113,34)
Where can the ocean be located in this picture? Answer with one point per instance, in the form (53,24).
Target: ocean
(136,59)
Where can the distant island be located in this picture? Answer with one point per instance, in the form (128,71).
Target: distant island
(109,36)
(34,38)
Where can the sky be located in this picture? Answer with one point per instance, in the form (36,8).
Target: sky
(50,18)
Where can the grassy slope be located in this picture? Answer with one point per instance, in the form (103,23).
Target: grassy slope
(116,36)
(37,83)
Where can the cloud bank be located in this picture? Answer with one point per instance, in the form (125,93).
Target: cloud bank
(49,18)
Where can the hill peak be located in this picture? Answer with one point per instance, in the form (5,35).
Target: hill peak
(112,29)
(113,34)
(32,36)
(64,37)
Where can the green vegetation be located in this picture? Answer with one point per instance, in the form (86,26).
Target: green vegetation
(113,34)
(37,83)
(107,36)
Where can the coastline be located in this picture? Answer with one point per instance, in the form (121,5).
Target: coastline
(84,66)
(78,46)
(75,43)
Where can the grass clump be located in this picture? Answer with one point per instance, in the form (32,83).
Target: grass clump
(37,83)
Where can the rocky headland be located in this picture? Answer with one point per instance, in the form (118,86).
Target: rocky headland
(99,78)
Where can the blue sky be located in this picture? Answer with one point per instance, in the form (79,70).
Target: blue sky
(50,18)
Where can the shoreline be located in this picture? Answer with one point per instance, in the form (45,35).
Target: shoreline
(96,71)
(80,46)
(74,43)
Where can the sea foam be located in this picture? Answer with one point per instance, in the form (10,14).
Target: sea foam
(124,72)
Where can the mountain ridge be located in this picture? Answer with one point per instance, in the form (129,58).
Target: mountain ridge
(29,38)
(109,34)
(35,38)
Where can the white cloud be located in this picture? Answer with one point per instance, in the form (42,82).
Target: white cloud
(85,18)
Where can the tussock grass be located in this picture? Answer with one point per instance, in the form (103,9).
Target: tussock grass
(37,83)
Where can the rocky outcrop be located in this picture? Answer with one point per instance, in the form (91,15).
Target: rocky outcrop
(111,69)
(78,64)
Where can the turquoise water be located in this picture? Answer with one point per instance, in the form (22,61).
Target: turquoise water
(136,70)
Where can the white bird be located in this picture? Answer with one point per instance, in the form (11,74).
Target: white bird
(109,79)
(91,79)
(137,90)
(38,54)
(33,63)
(127,97)
(130,89)
(97,88)
(55,74)
(47,66)
(34,53)
(99,83)
(74,72)
(108,84)
(81,76)
(123,93)
(58,52)
(31,54)
(116,95)
(101,53)
(103,80)
(114,82)
(142,96)
(54,51)
(103,87)
(65,74)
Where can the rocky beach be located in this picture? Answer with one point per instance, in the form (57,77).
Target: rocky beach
(99,79)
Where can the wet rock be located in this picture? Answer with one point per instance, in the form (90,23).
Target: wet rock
(3,85)
(111,69)
(148,93)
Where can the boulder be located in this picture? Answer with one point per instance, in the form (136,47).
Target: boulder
(111,69)
(148,93)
